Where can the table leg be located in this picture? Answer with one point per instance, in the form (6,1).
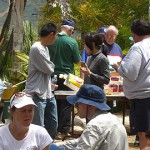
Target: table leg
(124,109)
(72,130)
(72,126)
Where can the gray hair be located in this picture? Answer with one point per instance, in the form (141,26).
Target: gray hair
(112,27)
(66,27)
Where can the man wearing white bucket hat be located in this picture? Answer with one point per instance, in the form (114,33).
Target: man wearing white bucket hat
(104,131)
(20,133)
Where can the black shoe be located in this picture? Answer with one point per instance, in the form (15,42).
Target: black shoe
(137,143)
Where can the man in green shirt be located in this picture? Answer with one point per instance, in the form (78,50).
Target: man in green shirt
(64,53)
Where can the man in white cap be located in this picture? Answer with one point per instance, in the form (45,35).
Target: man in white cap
(20,133)
(104,131)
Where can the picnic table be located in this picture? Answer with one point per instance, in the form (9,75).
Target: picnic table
(118,97)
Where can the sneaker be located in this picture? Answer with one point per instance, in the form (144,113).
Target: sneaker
(137,142)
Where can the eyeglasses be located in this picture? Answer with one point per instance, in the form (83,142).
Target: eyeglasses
(112,36)
(17,95)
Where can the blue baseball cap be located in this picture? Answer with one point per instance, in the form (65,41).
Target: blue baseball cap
(68,22)
(90,95)
(102,30)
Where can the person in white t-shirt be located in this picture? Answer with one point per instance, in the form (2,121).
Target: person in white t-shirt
(20,134)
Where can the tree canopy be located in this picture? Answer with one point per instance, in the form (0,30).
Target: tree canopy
(89,15)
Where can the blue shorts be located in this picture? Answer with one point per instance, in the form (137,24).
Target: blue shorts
(140,115)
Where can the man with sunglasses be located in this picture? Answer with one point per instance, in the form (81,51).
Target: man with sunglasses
(104,131)
(64,53)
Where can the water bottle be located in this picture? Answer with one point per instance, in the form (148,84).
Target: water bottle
(53,81)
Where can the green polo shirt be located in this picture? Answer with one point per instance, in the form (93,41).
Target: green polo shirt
(64,53)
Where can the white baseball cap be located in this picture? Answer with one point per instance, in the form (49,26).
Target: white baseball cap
(21,99)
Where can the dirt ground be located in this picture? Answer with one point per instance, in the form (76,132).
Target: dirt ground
(131,139)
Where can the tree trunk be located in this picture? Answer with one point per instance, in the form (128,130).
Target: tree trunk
(18,15)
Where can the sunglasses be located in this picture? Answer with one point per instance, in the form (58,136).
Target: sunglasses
(17,95)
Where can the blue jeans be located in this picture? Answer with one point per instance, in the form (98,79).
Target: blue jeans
(46,114)
(64,110)
(53,146)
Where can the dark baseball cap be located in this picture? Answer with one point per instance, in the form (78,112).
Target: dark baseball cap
(102,30)
(68,22)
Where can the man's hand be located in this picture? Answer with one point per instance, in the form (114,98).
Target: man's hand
(54,86)
(116,66)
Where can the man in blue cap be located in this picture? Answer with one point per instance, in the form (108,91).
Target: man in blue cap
(68,22)
(64,53)
(104,131)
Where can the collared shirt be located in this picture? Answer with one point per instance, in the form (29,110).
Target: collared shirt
(64,53)
(114,50)
(104,132)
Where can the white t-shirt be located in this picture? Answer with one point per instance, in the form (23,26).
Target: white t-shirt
(36,139)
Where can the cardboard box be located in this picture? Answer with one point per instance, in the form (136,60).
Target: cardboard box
(8,92)
(73,82)
(115,85)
